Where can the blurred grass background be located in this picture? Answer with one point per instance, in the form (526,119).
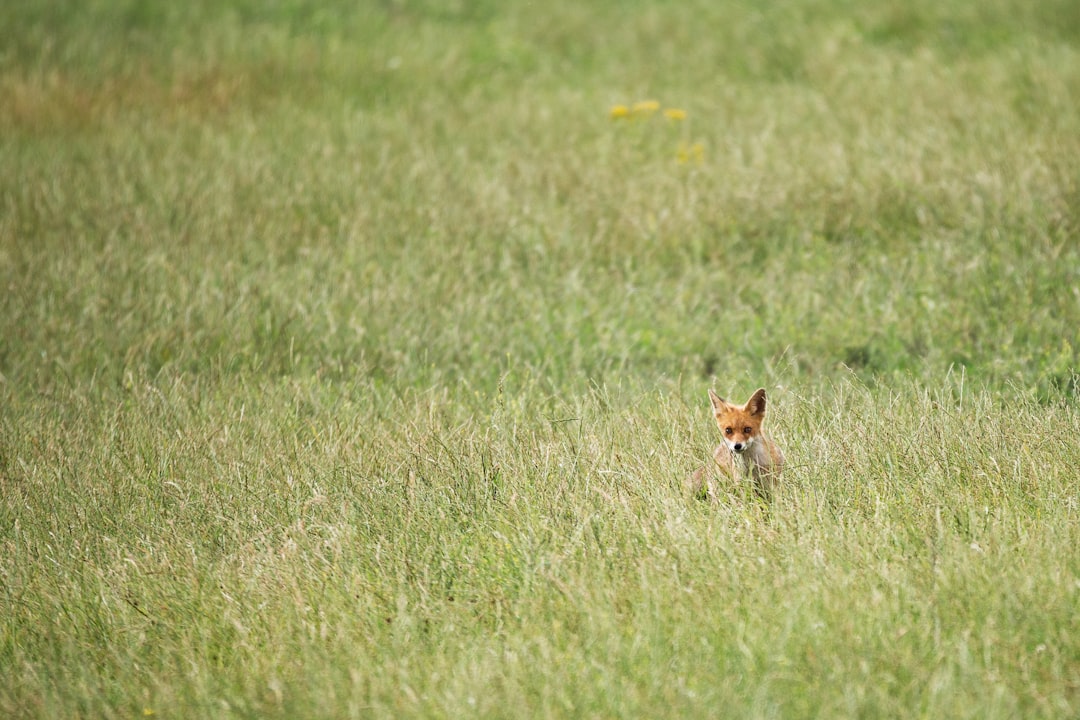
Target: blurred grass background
(352,355)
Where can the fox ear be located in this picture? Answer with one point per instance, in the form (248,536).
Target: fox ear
(756,404)
(718,402)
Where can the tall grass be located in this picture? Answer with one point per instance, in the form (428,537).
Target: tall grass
(352,357)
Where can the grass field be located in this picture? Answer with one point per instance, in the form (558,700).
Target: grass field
(352,356)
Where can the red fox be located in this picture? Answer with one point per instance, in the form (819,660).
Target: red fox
(746,449)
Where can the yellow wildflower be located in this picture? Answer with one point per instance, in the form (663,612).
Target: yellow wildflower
(674,114)
(687,152)
(619,111)
(646,107)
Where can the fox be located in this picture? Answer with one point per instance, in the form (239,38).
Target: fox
(746,449)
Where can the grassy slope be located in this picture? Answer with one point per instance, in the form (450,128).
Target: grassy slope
(351,358)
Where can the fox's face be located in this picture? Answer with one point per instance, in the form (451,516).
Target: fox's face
(739,425)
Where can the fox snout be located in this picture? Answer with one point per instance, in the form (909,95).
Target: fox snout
(739,446)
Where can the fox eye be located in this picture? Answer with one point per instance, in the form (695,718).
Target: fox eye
(728,431)
(747,430)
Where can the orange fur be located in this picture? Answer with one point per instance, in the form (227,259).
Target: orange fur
(746,451)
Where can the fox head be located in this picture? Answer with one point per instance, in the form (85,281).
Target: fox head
(740,425)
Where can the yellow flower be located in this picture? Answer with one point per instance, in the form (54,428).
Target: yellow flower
(674,114)
(646,107)
(690,153)
(619,111)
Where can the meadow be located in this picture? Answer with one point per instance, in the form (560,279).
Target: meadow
(353,355)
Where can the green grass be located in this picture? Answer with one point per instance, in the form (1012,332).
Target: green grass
(352,357)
